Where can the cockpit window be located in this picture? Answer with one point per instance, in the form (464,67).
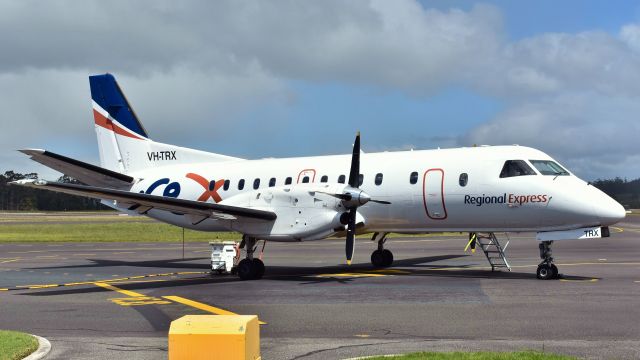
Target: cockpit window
(547,167)
(516,168)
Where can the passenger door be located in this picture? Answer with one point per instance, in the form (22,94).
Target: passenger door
(433,194)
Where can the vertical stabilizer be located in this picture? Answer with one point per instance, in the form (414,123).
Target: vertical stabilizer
(123,142)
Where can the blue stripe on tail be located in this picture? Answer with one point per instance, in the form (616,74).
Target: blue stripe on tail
(106,93)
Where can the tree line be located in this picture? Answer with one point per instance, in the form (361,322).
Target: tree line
(625,192)
(20,198)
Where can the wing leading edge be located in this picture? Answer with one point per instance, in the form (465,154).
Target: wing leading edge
(86,173)
(145,202)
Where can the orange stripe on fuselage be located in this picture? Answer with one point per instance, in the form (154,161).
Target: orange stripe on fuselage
(100,120)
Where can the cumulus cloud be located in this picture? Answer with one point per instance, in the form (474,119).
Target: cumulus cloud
(576,96)
(201,61)
(576,129)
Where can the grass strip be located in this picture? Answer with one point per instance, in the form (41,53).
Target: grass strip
(125,231)
(73,227)
(519,355)
(16,345)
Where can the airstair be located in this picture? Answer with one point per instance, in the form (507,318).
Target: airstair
(493,250)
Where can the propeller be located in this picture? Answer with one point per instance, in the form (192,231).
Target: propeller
(352,198)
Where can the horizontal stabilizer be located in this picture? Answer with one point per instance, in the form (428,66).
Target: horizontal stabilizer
(83,172)
(137,201)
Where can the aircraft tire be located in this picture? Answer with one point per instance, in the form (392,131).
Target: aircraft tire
(258,268)
(377,258)
(544,272)
(554,271)
(246,270)
(387,256)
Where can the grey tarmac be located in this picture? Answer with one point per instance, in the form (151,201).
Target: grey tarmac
(435,297)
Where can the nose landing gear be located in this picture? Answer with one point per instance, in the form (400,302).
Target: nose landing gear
(547,269)
(250,268)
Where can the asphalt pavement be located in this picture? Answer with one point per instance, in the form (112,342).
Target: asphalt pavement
(109,300)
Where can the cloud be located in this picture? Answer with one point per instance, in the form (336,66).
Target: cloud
(576,96)
(576,129)
(209,64)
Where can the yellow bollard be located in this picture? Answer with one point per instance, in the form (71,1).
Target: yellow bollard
(213,337)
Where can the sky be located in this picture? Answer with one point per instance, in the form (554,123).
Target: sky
(285,78)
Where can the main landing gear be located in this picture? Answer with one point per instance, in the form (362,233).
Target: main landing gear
(547,269)
(250,268)
(381,257)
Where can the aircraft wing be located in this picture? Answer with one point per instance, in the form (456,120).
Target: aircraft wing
(83,172)
(145,202)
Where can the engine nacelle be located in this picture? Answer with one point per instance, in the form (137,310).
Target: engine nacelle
(305,212)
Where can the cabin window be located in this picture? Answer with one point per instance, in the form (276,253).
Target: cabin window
(225,187)
(305,180)
(360,180)
(513,168)
(341,179)
(413,178)
(378,178)
(241,184)
(288,180)
(547,167)
(463,179)
(272,182)
(256,183)
(324,179)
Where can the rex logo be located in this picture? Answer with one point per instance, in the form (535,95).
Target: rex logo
(210,187)
(172,189)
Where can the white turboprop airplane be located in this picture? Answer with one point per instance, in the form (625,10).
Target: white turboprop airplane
(479,190)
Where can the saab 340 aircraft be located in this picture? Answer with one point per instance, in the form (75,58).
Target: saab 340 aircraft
(479,190)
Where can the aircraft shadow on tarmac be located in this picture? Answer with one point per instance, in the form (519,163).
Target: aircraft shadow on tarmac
(303,275)
(163,264)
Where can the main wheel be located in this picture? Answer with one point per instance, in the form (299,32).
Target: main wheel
(377,258)
(544,272)
(554,271)
(258,268)
(246,270)
(387,255)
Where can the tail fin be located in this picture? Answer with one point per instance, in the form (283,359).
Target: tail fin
(123,141)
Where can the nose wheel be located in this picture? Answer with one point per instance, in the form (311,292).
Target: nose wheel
(546,269)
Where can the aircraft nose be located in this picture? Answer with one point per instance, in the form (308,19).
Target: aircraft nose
(608,211)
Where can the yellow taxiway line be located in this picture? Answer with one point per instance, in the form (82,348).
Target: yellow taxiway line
(8,261)
(141,299)
(121,291)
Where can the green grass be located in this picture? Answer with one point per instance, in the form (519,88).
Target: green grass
(520,355)
(16,345)
(125,231)
(110,227)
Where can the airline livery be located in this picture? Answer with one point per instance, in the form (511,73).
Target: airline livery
(476,190)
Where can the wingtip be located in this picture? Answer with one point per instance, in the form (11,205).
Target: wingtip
(31,151)
(28,182)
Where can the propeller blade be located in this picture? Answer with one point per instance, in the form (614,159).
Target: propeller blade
(354,172)
(351,235)
(380,202)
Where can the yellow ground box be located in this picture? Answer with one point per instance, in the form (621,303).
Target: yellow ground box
(215,337)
